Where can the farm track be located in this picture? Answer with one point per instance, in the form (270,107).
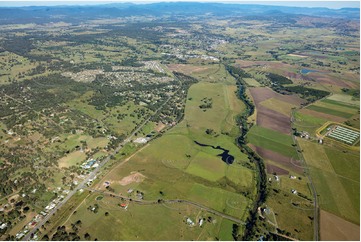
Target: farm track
(316,220)
(154,202)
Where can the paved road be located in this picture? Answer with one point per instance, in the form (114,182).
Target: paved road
(149,202)
(92,175)
(314,193)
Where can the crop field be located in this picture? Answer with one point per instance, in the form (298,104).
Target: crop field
(277,162)
(330,111)
(272,140)
(266,115)
(335,228)
(339,192)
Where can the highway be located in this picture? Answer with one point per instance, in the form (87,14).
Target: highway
(91,175)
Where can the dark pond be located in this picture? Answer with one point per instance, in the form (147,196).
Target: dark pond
(227,158)
(305,71)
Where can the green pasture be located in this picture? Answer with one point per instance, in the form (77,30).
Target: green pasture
(121,224)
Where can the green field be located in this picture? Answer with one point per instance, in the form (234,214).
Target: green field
(337,182)
(271,140)
(330,111)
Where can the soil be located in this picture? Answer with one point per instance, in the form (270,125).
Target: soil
(134,177)
(335,228)
(286,162)
(268,118)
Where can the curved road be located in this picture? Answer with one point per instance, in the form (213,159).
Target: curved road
(144,202)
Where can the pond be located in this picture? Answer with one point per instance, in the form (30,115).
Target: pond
(226,157)
(306,71)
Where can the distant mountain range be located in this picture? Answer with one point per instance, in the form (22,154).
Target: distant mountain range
(38,14)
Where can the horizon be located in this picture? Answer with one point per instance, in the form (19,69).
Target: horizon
(309,4)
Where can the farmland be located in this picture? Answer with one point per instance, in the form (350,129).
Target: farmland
(179,121)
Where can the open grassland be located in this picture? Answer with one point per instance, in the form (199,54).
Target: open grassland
(252,82)
(123,224)
(272,140)
(337,186)
(72,159)
(292,213)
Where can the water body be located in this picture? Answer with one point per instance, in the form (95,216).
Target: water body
(306,71)
(226,157)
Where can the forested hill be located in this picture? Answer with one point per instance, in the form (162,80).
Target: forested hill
(38,14)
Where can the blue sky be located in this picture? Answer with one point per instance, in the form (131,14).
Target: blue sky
(328,4)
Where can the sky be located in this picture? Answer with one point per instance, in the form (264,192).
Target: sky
(307,3)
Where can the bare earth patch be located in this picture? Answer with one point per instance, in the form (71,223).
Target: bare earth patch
(337,229)
(287,162)
(160,126)
(271,169)
(186,69)
(133,177)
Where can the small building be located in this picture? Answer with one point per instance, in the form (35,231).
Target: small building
(190,222)
(201,222)
(293,177)
(3,226)
(277,178)
(294,191)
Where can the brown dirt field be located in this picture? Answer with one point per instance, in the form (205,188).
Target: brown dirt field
(275,169)
(326,79)
(160,126)
(322,115)
(186,69)
(134,177)
(335,228)
(286,162)
(269,118)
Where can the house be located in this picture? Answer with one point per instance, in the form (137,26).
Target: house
(190,222)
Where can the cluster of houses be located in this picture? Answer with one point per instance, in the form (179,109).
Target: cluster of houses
(90,163)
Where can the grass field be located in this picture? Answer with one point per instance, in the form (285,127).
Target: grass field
(123,224)
(252,82)
(330,111)
(272,140)
(72,159)
(278,106)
